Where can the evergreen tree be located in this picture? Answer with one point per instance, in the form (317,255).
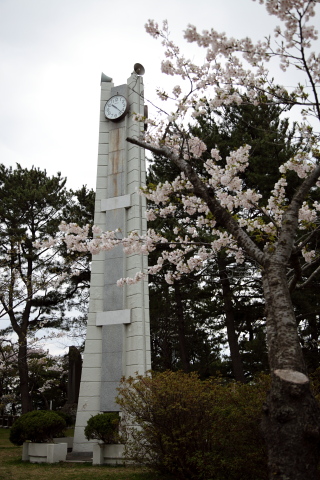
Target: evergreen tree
(34,281)
(230,298)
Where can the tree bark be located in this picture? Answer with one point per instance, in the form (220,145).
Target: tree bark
(181,329)
(236,361)
(26,401)
(291,422)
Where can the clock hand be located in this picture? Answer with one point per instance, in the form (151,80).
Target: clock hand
(116,108)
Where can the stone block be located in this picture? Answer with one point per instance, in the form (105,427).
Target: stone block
(89,403)
(115,219)
(134,329)
(117,139)
(134,225)
(116,317)
(108,454)
(108,396)
(134,301)
(25,454)
(93,332)
(116,162)
(93,346)
(100,193)
(102,182)
(106,89)
(90,389)
(136,288)
(90,374)
(133,177)
(99,220)
(103,149)
(104,125)
(93,360)
(113,298)
(102,171)
(147,329)
(112,339)
(97,280)
(111,370)
(102,118)
(135,210)
(113,271)
(116,252)
(103,160)
(57,452)
(99,257)
(133,343)
(133,262)
(46,452)
(91,320)
(114,203)
(116,185)
(135,357)
(96,304)
(103,137)
(133,166)
(97,267)
(82,419)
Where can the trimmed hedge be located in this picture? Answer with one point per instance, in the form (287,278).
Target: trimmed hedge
(38,426)
(103,427)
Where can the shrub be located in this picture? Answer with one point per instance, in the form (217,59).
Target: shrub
(195,429)
(38,426)
(103,427)
(67,417)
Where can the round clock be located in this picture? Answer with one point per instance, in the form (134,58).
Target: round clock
(116,108)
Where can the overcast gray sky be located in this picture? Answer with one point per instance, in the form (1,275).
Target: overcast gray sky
(52,54)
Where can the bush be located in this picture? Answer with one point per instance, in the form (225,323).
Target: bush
(67,417)
(195,429)
(103,427)
(39,426)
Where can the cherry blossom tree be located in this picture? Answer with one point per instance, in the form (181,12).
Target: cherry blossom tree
(279,234)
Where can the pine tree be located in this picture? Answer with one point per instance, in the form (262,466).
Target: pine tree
(34,285)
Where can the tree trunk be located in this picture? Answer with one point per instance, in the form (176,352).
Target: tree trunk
(181,329)
(291,422)
(26,401)
(236,361)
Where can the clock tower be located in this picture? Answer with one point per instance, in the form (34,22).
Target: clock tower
(118,333)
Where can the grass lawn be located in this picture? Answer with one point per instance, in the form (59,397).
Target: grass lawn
(12,468)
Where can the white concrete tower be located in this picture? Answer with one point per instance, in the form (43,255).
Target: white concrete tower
(118,332)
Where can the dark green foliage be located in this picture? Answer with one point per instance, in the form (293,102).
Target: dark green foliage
(66,417)
(192,340)
(195,429)
(32,207)
(39,426)
(103,427)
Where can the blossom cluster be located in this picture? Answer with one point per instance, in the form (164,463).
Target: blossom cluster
(234,71)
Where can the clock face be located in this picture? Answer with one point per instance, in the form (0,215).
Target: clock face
(116,108)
